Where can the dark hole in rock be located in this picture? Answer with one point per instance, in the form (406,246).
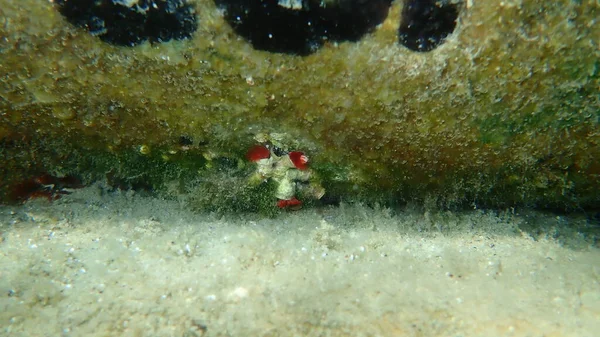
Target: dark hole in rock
(426,23)
(302,26)
(130,22)
(186,140)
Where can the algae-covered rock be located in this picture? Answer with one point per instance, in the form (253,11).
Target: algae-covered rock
(502,110)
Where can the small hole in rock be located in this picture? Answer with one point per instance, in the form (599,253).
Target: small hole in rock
(302,26)
(130,22)
(427,23)
(186,140)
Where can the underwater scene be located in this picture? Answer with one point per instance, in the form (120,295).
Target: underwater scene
(194,168)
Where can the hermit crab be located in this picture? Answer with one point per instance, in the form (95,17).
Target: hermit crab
(289,170)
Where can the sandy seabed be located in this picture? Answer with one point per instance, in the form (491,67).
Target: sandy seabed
(117,264)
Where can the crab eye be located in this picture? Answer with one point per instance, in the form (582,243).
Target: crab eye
(278,151)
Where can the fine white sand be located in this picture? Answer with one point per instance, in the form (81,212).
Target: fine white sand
(116,264)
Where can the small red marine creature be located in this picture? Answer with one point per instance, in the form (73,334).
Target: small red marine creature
(44,186)
(287,169)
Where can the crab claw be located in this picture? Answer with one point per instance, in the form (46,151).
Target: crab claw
(292,203)
(299,159)
(258,152)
